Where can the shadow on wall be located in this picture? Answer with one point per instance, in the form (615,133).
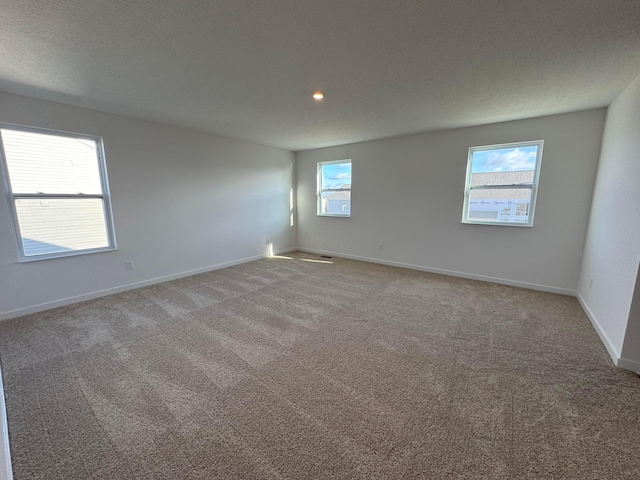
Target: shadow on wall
(631,346)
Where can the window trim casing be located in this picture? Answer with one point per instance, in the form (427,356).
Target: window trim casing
(104,184)
(533,187)
(320,190)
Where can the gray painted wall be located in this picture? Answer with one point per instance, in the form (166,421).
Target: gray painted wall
(182,201)
(612,249)
(407,193)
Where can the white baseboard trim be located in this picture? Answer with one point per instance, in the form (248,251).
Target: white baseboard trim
(471,276)
(123,288)
(6,473)
(604,338)
(632,365)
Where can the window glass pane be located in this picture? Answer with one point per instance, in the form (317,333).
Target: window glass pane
(42,163)
(504,166)
(336,175)
(335,203)
(510,205)
(492,173)
(61,224)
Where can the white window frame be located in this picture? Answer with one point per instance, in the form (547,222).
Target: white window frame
(533,186)
(321,190)
(105,196)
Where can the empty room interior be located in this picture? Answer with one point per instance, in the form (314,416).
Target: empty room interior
(319,239)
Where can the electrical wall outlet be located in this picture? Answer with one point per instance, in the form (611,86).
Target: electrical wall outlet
(128,265)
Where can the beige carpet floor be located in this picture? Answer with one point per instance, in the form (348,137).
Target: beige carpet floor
(291,368)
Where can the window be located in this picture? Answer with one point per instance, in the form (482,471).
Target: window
(334,188)
(58,191)
(502,181)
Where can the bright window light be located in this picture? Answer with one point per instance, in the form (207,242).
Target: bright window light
(58,189)
(502,184)
(334,188)
(315,261)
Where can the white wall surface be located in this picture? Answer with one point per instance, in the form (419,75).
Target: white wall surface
(612,248)
(408,195)
(182,201)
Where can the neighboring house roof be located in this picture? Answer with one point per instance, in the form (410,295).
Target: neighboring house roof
(339,196)
(502,178)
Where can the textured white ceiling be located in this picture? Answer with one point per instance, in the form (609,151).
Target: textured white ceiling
(246,68)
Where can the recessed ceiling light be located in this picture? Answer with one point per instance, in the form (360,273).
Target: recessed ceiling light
(317,96)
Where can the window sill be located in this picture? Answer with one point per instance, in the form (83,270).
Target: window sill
(37,258)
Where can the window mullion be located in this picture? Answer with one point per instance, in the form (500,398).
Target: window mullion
(498,187)
(57,195)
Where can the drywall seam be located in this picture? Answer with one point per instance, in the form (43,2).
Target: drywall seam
(6,473)
(123,288)
(604,338)
(471,276)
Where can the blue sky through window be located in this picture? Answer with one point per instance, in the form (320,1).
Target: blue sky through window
(336,175)
(505,159)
